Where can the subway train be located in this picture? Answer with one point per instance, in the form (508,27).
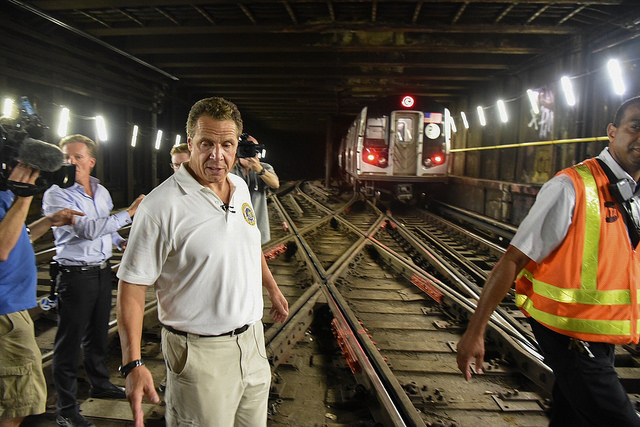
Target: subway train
(395,143)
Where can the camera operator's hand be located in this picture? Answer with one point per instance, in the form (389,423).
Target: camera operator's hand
(253,163)
(134,206)
(250,163)
(25,174)
(12,225)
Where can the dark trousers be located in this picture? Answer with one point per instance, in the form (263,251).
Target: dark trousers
(84,308)
(587,390)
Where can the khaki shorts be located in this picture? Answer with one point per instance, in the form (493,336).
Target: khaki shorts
(23,389)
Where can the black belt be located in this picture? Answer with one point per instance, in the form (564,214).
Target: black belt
(235,332)
(77,268)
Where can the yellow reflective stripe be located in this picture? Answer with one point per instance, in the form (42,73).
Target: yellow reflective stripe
(589,326)
(591,244)
(579,296)
(520,299)
(526,273)
(582,296)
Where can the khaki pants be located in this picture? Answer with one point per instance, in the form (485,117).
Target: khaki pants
(217,381)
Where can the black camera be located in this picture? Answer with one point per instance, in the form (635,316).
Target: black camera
(248,148)
(18,142)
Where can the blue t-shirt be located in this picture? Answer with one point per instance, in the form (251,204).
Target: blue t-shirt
(18,274)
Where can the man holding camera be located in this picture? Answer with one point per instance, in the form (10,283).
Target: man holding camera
(84,281)
(24,389)
(258,176)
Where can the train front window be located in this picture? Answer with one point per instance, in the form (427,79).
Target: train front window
(375,132)
(403,129)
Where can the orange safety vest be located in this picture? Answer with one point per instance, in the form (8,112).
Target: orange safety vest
(587,288)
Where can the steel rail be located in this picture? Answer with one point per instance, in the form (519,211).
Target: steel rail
(481,240)
(504,231)
(501,321)
(388,402)
(472,290)
(390,393)
(527,358)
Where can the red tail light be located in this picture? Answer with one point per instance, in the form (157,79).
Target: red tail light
(376,156)
(434,160)
(438,159)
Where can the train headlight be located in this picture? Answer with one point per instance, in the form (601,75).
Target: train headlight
(375,156)
(434,160)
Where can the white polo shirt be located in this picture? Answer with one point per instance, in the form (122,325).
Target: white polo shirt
(204,260)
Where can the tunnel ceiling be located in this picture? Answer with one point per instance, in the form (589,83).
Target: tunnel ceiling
(295,63)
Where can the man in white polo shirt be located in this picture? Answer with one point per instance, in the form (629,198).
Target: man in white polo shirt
(195,237)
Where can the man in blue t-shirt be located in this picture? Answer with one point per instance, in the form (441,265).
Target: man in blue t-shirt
(20,356)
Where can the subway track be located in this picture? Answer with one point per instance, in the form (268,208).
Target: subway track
(378,300)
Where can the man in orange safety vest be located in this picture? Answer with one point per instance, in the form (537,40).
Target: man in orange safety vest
(576,270)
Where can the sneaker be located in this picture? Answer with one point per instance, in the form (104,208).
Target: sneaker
(75,420)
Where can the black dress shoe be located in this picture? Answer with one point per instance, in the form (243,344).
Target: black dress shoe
(112,392)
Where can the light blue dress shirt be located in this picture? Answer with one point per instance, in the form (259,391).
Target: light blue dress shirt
(89,240)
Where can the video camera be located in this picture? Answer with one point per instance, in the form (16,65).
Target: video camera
(248,148)
(19,142)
